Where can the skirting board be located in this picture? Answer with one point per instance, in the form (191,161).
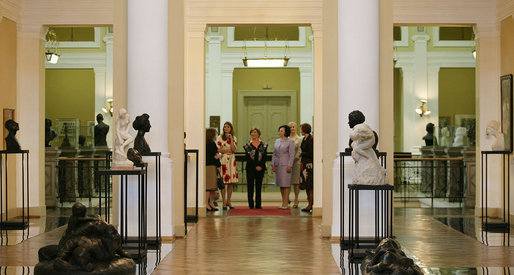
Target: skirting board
(326,231)
(180,231)
(34,211)
(491,212)
(317,211)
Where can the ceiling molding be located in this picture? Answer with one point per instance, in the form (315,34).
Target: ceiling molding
(79,61)
(80,44)
(301,42)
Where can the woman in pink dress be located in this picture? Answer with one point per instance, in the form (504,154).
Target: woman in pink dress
(282,163)
(227,145)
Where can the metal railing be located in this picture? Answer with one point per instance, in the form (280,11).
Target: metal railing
(426,179)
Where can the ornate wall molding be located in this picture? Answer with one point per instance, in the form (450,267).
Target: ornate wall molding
(81,44)
(260,44)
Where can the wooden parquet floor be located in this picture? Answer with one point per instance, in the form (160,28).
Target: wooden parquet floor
(252,245)
(438,245)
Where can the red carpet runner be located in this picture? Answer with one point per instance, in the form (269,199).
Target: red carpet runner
(265,211)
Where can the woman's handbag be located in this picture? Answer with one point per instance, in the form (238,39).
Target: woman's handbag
(219,180)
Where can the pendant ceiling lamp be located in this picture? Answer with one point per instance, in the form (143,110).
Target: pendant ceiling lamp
(265,62)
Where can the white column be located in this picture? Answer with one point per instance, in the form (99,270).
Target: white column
(108,39)
(226,94)
(358,63)
(306,96)
(358,44)
(409,101)
(433,97)
(213,79)
(100,92)
(148,93)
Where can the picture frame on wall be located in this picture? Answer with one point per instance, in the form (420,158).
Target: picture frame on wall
(506,110)
(7,114)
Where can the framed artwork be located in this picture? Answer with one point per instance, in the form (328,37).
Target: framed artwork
(444,121)
(506,107)
(8,114)
(464,121)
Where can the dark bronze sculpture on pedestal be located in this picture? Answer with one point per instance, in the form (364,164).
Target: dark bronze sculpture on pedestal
(11,142)
(142,125)
(89,245)
(430,139)
(50,133)
(354,118)
(101,130)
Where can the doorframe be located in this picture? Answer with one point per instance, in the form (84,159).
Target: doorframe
(242,94)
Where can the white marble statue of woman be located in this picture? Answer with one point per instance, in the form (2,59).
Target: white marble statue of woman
(445,137)
(123,140)
(367,167)
(460,134)
(492,132)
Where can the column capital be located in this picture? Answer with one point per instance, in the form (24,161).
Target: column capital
(421,38)
(214,39)
(108,39)
(99,70)
(31,31)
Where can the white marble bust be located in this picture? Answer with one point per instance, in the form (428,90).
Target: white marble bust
(493,134)
(460,134)
(122,141)
(445,137)
(367,167)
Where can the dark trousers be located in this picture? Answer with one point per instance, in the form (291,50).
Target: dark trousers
(254,177)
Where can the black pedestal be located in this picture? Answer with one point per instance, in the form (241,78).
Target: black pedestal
(154,242)
(504,224)
(190,218)
(344,242)
(136,246)
(20,223)
(383,219)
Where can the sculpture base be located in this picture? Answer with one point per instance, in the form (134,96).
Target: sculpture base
(118,168)
(14,225)
(119,266)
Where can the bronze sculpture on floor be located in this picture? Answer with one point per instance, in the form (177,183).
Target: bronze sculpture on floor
(89,245)
(11,142)
(142,125)
(388,258)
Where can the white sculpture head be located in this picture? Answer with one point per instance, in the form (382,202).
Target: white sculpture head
(122,114)
(362,132)
(492,128)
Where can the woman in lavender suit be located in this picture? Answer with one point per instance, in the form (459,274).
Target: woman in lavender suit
(282,163)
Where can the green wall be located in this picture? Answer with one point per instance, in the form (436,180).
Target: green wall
(70,93)
(456,92)
(253,79)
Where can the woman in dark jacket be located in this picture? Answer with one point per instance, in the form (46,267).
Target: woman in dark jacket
(255,151)
(306,174)
(212,164)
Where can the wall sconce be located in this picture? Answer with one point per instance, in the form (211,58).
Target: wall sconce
(108,109)
(422,110)
(474,53)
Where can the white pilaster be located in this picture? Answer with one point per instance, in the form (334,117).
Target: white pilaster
(148,93)
(100,91)
(358,90)
(213,80)
(30,108)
